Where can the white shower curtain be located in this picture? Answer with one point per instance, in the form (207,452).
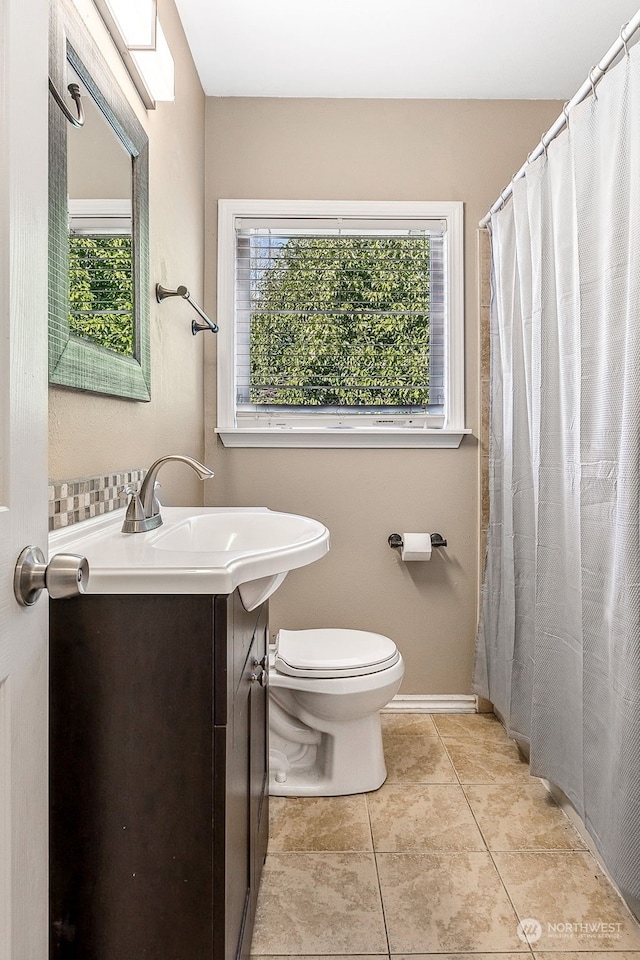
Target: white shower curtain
(558,647)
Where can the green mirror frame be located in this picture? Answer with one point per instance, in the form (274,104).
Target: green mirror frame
(74,362)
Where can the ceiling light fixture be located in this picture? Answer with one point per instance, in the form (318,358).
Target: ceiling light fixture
(140,40)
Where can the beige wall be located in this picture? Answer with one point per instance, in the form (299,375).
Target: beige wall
(91,434)
(379,150)
(98,165)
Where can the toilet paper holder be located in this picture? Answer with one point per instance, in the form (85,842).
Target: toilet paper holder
(396,542)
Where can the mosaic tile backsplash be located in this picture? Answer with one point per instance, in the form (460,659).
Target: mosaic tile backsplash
(71,501)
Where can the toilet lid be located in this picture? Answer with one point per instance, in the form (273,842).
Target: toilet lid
(333,653)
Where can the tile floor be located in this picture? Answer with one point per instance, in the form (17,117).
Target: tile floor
(447,857)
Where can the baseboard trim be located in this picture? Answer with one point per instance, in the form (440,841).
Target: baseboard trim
(432,703)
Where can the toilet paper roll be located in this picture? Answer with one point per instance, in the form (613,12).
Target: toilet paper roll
(416,546)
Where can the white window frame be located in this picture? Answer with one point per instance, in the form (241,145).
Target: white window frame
(98,216)
(258,431)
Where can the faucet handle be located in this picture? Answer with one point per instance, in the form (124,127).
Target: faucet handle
(135,510)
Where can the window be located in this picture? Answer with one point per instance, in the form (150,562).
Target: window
(340,324)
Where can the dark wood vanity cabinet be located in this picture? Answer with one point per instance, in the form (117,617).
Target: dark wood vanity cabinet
(158,776)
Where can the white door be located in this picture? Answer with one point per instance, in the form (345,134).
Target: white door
(23,475)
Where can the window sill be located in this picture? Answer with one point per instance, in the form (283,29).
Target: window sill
(341,437)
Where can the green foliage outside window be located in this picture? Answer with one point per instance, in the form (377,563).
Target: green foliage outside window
(101,291)
(340,321)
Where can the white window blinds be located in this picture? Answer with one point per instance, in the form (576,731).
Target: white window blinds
(340,315)
(101,290)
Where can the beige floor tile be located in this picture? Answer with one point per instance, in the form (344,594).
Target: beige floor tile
(416,759)
(570,890)
(521,817)
(590,955)
(318,823)
(319,903)
(458,956)
(417,818)
(334,956)
(446,903)
(480,761)
(409,724)
(476,726)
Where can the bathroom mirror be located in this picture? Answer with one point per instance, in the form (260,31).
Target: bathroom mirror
(98,224)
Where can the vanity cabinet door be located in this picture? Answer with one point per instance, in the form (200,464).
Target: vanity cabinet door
(246,751)
(131,683)
(259,751)
(237,854)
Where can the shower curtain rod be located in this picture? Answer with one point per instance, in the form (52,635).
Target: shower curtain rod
(595,75)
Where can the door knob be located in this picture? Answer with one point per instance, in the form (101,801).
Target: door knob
(66,575)
(261,674)
(261,677)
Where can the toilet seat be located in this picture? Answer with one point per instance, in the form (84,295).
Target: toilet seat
(329,653)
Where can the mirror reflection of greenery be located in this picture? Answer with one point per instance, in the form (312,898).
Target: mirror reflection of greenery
(100,273)
(341,321)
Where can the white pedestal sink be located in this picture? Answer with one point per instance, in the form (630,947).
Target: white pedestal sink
(197,550)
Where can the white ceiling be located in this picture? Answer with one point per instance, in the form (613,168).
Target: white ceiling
(491,49)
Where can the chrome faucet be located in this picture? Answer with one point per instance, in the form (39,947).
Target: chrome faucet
(143,510)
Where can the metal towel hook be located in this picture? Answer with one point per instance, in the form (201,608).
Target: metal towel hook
(74,90)
(162,293)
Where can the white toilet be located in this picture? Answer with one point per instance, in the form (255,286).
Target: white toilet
(326,689)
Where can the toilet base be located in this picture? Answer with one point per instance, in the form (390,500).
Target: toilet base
(345,760)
